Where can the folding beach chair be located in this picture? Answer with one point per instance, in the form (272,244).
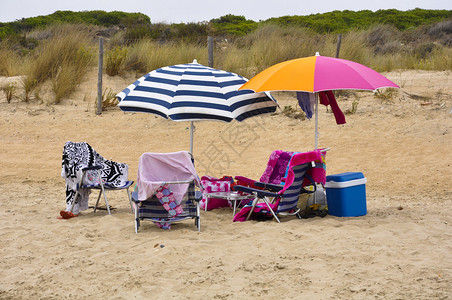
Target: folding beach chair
(166,192)
(84,170)
(278,167)
(285,196)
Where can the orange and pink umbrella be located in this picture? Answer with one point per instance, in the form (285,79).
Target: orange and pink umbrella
(316,74)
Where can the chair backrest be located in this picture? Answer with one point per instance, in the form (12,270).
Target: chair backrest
(299,165)
(290,197)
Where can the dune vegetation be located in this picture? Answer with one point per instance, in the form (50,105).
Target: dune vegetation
(58,50)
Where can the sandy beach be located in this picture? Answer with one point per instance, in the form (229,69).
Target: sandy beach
(402,248)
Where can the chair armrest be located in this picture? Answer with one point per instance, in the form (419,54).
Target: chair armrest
(134,197)
(198,196)
(97,167)
(259,193)
(269,186)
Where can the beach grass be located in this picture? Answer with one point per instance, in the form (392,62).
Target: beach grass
(63,54)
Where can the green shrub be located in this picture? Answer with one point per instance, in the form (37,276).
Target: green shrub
(386,95)
(9,89)
(60,55)
(115,59)
(293,113)
(354,107)
(231,25)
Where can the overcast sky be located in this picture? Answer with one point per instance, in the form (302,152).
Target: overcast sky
(184,11)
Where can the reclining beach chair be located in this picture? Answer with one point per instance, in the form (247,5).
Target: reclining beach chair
(285,196)
(278,167)
(166,193)
(84,170)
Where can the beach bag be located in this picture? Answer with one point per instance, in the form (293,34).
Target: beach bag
(211,185)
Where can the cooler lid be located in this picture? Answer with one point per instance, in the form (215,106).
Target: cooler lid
(347,176)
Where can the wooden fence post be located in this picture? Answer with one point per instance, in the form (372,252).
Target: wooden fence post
(339,38)
(99,76)
(210,50)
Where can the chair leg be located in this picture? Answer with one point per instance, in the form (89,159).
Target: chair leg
(198,218)
(130,200)
(106,202)
(97,202)
(207,202)
(137,220)
(273,213)
(256,199)
(103,191)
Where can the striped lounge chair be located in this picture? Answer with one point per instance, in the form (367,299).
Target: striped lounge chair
(285,197)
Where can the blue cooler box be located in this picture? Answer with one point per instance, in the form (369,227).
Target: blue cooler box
(346,194)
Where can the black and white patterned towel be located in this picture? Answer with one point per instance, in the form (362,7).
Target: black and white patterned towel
(76,156)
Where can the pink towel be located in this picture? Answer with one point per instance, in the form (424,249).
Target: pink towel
(318,172)
(154,169)
(298,159)
(274,156)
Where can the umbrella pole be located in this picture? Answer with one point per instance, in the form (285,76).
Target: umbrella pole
(192,127)
(316,120)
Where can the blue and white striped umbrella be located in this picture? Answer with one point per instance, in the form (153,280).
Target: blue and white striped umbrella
(193,92)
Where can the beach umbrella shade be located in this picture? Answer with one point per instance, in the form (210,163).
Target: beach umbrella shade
(193,92)
(316,74)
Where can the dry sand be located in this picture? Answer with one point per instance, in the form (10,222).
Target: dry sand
(402,249)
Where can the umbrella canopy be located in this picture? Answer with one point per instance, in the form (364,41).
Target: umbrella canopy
(316,74)
(193,92)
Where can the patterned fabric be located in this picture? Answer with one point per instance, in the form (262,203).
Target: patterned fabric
(212,185)
(153,210)
(77,156)
(167,199)
(276,167)
(274,156)
(281,167)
